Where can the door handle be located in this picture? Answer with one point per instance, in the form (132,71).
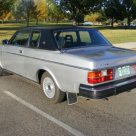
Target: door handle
(21,51)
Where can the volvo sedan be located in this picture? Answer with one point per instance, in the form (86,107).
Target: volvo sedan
(69,61)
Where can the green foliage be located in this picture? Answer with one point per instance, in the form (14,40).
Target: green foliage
(17,10)
(50,6)
(114,10)
(77,8)
(96,17)
(30,9)
(130,10)
(5,6)
(58,13)
(54,10)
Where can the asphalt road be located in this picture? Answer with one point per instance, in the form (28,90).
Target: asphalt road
(25,112)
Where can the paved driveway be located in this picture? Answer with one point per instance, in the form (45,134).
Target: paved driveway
(130,45)
(25,112)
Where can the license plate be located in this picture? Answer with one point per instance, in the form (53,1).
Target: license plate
(124,71)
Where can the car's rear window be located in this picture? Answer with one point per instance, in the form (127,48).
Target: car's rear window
(79,38)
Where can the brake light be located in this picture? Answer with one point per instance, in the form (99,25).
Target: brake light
(100,76)
(109,71)
(135,67)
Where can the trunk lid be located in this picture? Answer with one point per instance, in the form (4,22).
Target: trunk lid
(107,56)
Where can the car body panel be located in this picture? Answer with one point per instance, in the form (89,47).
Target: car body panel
(107,56)
(12,59)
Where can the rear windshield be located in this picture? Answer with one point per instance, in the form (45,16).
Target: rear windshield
(79,38)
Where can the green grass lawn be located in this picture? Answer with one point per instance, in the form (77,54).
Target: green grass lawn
(119,36)
(114,35)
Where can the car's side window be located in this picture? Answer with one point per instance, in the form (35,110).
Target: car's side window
(34,39)
(20,39)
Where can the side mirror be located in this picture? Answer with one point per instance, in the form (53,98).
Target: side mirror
(5,42)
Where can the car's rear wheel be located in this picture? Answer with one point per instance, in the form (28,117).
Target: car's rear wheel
(52,93)
(0,71)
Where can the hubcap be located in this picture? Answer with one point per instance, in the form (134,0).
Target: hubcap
(49,87)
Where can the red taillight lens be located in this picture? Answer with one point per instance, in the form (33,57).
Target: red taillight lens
(110,77)
(94,80)
(95,77)
(135,67)
(109,71)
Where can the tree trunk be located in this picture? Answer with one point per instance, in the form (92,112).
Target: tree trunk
(27,22)
(128,22)
(44,20)
(75,21)
(2,21)
(112,22)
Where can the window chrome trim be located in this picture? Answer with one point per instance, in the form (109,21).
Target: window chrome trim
(30,37)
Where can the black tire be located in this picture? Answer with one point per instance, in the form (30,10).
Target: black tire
(0,71)
(58,96)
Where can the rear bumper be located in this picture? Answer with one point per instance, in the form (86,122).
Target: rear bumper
(107,90)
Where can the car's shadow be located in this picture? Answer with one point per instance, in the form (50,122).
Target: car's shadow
(5,73)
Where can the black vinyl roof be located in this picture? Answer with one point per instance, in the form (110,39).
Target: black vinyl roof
(47,39)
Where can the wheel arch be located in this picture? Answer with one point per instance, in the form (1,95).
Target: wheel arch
(40,73)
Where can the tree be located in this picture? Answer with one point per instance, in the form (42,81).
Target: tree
(130,10)
(17,10)
(5,16)
(41,11)
(96,17)
(30,9)
(58,13)
(79,7)
(114,10)
(50,7)
(5,7)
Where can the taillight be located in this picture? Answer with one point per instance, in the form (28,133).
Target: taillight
(100,76)
(135,67)
(94,74)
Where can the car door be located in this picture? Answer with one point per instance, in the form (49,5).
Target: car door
(30,63)
(13,53)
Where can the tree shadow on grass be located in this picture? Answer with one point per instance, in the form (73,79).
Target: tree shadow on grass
(10,25)
(100,27)
(17,27)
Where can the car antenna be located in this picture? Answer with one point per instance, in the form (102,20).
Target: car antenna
(62,44)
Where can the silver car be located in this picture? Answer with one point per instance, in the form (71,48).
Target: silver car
(86,23)
(69,61)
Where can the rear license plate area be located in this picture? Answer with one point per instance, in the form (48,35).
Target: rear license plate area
(124,70)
